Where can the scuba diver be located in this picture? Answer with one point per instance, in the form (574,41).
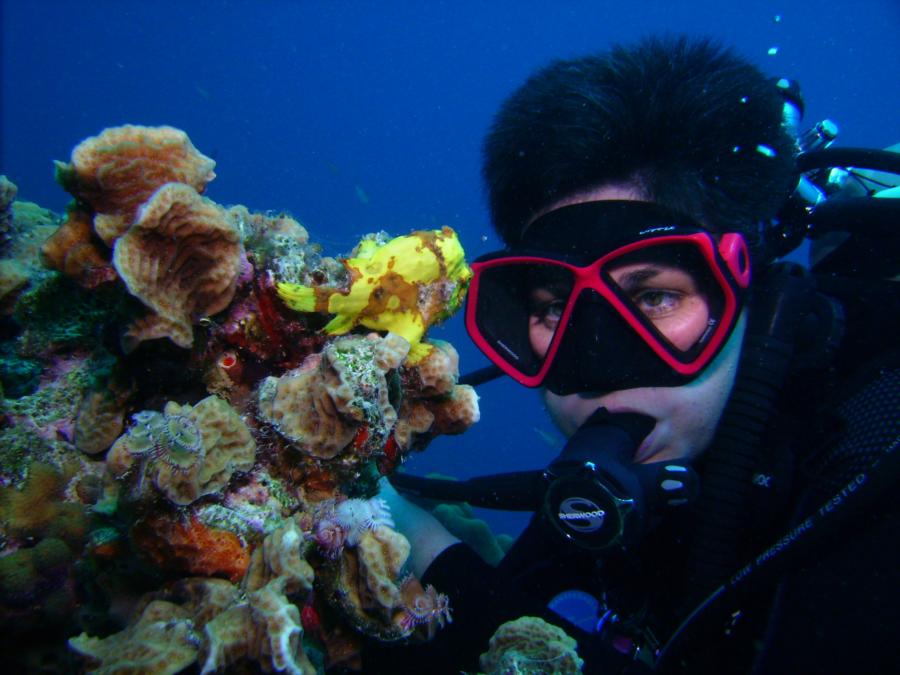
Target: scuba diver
(723,502)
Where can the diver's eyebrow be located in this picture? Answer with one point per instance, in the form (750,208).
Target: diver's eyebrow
(634,279)
(555,290)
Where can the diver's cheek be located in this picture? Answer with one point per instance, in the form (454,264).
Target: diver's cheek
(540,337)
(686,416)
(569,412)
(686,328)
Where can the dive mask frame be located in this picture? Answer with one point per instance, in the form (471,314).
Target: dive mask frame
(601,343)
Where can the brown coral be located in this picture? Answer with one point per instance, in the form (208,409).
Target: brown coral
(531,645)
(300,408)
(433,403)
(382,553)
(320,406)
(435,374)
(204,598)
(13,276)
(161,642)
(414,422)
(74,251)
(186,452)
(339,405)
(456,412)
(210,618)
(32,226)
(38,510)
(182,258)
(37,586)
(366,588)
(265,628)
(281,555)
(227,638)
(117,171)
(278,619)
(262,624)
(100,419)
(191,548)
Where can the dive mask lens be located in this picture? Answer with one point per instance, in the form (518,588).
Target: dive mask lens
(516,310)
(669,294)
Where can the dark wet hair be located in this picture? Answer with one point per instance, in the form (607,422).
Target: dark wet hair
(691,123)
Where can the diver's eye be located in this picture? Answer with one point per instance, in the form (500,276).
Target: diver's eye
(546,306)
(547,313)
(657,303)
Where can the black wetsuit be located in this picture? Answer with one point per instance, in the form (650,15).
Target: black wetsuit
(838,611)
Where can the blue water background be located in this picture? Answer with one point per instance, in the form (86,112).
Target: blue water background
(360,116)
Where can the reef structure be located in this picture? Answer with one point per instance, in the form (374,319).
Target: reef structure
(185,452)
(531,645)
(116,172)
(190,451)
(181,258)
(8,192)
(355,410)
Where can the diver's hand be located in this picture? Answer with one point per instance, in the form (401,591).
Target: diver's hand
(427,537)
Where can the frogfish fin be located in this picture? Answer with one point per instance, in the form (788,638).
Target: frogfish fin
(340,324)
(295,296)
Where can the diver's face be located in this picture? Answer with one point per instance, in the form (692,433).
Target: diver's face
(686,416)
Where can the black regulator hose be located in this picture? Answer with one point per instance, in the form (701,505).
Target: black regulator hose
(480,376)
(725,504)
(857,215)
(515,491)
(820,527)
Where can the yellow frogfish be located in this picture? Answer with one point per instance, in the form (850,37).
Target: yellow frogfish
(402,286)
